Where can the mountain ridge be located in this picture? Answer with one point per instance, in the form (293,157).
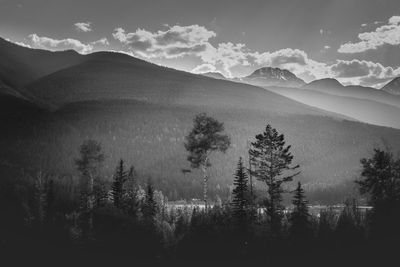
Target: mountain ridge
(393,87)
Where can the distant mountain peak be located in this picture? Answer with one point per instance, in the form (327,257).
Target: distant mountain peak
(393,87)
(269,72)
(268,76)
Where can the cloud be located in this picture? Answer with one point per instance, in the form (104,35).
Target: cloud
(327,47)
(103,41)
(203,68)
(364,25)
(176,41)
(48,43)
(362,72)
(386,34)
(83,26)
(228,55)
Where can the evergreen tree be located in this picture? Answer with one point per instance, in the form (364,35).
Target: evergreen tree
(300,224)
(40,197)
(50,198)
(130,199)
(117,189)
(149,208)
(240,201)
(206,137)
(271,159)
(348,227)
(380,181)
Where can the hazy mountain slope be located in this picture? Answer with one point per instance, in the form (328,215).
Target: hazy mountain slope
(360,109)
(104,78)
(20,65)
(268,76)
(333,87)
(393,87)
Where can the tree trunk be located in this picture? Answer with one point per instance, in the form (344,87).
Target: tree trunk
(91,203)
(205,180)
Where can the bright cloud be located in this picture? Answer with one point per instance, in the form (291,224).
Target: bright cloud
(362,72)
(227,55)
(83,26)
(386,34)
(175,42)
(48,43)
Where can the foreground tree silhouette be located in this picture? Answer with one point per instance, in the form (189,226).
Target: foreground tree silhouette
(117,189)
(380,180)
(300,224)
(271,161)
(240,195)
(91,158)
(206,137)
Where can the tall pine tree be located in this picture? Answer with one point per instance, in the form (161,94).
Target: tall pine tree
(240,194)
(149,208)
(300,224)
(130,199)
(117,189)
(272,160)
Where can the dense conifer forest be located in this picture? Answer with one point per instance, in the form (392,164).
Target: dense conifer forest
(47,216)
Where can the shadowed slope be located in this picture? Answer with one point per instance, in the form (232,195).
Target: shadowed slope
(20,65)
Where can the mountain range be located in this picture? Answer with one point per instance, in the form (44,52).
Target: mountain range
(141,112)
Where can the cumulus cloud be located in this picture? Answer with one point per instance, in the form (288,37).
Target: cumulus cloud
(203,68)
(386,34)
(83,26)
(327,47)
(362,72)
(227,55)
(48,43)
(176,41)
(103,41)
(357,68)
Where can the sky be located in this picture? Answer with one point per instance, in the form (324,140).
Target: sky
(354,41)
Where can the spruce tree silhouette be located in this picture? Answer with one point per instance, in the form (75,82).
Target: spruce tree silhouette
(272,162)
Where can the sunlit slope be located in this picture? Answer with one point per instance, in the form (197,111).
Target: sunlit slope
(364,110)
(151,137)
(332,86)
